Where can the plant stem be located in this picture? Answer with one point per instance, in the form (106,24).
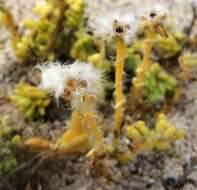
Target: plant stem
(95,130)
(75,131)
(119,96)
(11,25)
(59,27)
(145,66)
(76,144)
(92,125)
(76,122)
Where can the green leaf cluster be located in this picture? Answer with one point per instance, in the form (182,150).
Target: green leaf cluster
(44,35)
(30,100)
(158,84)
(83,46)
(35,39)
(8,141)
(189,60)
(75,13)
(166,47)
(160,138)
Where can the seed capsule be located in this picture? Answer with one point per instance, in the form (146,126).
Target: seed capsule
(119,29)
(82,83)
(72,84)
(67,96)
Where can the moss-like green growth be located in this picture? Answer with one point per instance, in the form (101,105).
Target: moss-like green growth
(158,85)
(74,13)
(8,161)
(38,37)
(166,47)
(30,100)
(83,46)
(132,60)
(160,138)
(8,143)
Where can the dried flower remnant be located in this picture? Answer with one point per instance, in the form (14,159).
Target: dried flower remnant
(122,27)
(154,11)
(56,77)
(152,22)
(81,85)
(110,25)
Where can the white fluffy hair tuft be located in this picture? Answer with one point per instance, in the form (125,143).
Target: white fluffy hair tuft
(54,77)
(104,25)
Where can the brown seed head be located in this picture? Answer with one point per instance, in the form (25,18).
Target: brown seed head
(72,84)
(67,96)
(120,29)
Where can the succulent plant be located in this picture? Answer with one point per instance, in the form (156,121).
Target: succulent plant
(132,60)
(8,161)
(8,142)
(83,46)
(160,138)
(61,30)
(43,36)
(166,47)
(39,33)
(30,100)
(158,84)
(74,13)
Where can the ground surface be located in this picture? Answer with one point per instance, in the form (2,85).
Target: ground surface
(154,171)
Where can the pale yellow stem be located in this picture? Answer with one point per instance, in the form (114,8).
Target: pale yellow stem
(145,66)
(95,131)
(119,96)
(73,133)
(92,125)
(76,123)
(78,142)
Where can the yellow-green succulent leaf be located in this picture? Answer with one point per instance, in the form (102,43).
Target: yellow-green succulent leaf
(133,133)
(142,128)
(169,133)
(162,145)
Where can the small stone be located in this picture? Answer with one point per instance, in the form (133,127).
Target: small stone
(150,182)
(193,177)
(189,187)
